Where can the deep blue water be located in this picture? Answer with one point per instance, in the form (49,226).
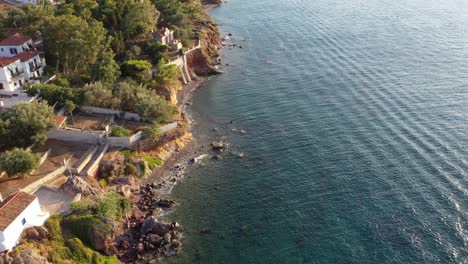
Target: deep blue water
(356,114)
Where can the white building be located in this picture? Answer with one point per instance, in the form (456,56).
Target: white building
(18,212)
(165,36)
(20,69)
(15,44)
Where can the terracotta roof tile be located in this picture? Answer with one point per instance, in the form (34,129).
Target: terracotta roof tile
(5,61)
(12,207)
(25,56)
(15,40)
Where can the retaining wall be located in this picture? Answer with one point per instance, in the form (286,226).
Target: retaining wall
(107,111)
(31,188)
(168,127)
(81,164)
(124,142)
(91,169)
(74,136)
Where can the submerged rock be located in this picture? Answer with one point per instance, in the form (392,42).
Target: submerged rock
(165,203)
(219,145)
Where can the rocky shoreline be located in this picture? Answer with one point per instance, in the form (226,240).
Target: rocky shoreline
(147,235)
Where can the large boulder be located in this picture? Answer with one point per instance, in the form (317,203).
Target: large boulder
(77,184)
(150,225)
(29,256)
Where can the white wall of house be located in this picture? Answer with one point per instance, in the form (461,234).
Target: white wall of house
(33,68)
(10,51)
(31,216)
(12,82)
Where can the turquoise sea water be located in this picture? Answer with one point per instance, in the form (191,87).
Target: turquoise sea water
(356,114)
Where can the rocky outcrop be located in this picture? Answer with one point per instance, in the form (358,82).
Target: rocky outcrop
(29,256)
(147,238)
(36,233)
(170,92)
(167,150)
(203,61)
(76,184)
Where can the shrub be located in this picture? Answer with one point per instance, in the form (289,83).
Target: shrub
(138,69)
(88,227)
(53,224)
(152,132)
(130,169)
(81,207)
(153,162)
(102,183)
(25,124)
(120,131)
(54,93)
(18,162)
(113,206)
(80,254)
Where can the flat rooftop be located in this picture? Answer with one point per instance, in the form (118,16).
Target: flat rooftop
(9,99)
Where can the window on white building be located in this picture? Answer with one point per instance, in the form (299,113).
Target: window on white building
(13,51)
(23,221)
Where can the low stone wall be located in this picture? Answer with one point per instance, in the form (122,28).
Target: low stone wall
(31,188)
(168,127)
(124,142)
(106,111)
(83,161)
(44,157)
(91,169)
(74,136)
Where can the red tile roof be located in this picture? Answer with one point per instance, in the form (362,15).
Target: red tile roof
(58,120)
(5,61)
(12,207)
(27,55)
(15,40)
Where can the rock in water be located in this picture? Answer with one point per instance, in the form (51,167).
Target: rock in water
(219,145)
(165,203)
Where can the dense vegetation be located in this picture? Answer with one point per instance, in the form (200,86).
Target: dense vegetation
(104,53)
(18,162)
(24,124)
(87,40)
(66,249)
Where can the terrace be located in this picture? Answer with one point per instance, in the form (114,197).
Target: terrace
(60,151)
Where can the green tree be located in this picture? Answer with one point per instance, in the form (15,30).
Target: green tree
(120,131)
(18,162)
(106,69)
(25,124)
(153,106)
(53,93)
(70,107)
(30,18)
(138,69)
(137,98)
(83,8)
(140,17)
(74,43)
(96,94)
(157,51)
(166,74)
(152,132)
